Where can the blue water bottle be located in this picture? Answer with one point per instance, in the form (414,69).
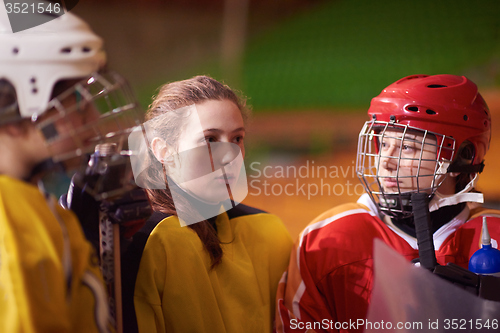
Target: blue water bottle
(486,260)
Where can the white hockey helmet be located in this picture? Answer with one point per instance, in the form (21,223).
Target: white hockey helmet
(92,110)
(34,60)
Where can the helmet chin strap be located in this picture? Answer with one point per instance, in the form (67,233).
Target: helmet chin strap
(441,200)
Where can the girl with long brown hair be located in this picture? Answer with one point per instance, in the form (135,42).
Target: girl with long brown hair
(209,263)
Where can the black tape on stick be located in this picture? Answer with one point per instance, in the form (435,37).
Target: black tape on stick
(422,220)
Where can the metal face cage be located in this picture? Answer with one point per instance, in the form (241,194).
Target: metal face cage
(94,116)
(395,160)
(100,109)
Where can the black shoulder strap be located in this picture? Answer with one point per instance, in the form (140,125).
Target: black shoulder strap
(242,210)
(130,260)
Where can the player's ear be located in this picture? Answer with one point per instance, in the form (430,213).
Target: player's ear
(161,151)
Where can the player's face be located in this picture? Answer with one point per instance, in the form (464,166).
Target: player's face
(204,165)
(407,162)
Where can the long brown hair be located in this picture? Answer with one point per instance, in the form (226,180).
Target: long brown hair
(166,118)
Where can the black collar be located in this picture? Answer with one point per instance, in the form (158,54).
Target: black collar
(438,218)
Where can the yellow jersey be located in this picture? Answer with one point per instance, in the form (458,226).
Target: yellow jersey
(177,291)
(49,275)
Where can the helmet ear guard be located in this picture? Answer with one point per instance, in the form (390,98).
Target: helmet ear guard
(464,159)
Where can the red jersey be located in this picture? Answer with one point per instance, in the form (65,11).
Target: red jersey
(330,276)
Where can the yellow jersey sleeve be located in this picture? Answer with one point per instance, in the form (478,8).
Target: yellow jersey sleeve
(49,277)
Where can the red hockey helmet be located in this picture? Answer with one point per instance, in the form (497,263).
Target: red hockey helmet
(446,108)
(446,104)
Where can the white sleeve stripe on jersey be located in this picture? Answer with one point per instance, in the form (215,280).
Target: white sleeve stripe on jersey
(101,306)
(321,224)
(284,277)
(318,225)
(296,299)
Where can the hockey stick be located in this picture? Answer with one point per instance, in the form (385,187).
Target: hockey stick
(110,266)
(118,278)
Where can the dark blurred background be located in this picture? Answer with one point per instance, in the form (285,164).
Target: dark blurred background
(308,67)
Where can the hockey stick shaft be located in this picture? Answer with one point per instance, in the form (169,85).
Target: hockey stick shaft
(117,277)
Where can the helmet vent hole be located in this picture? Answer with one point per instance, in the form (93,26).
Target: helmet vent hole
(15,50)
(429,111)
(466,117)
(436,86)
(34,90)
(66,50)
(412,108)
(86,49)
(411,77)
